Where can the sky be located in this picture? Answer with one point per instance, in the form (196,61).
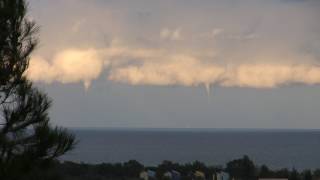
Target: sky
(179,63)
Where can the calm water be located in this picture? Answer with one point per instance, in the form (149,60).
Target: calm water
(280,148)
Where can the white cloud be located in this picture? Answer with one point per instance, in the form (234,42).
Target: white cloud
(271,75)
(188,71)
(177,69)
(173,35)
(68,66)
(146,66)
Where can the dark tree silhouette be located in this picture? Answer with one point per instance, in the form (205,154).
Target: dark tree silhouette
(27,140)
(242,168)
(265,172)
(132,168)
(294,175)
(307,175)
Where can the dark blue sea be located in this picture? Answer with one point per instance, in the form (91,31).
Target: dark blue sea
(298,149)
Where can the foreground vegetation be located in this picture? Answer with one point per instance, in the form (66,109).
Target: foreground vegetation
(27,139)
(242,168)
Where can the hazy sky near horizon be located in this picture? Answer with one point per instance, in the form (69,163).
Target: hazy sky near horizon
(179,63)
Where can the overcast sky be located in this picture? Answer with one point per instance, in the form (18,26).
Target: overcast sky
(179,63)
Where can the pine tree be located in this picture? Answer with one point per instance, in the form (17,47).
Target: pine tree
(307,175)
(27,140)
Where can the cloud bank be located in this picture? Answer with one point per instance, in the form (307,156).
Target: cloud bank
(256,44)
(140,66)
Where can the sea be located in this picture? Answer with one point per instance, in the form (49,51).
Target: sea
(299,149)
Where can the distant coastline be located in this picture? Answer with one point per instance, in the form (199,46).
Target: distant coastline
(291,148)
(194,129)
(238,169)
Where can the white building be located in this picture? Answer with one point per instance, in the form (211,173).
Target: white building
(174,175)
(147,175)
(222,176)
(199,175)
